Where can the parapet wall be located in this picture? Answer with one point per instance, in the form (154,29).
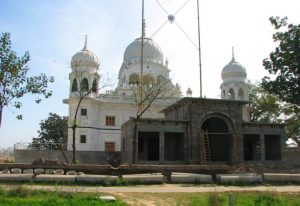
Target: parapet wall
(292,157)
(83,157)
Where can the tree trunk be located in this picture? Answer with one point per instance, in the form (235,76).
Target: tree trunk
(63,153)
(73,146)
(134,143)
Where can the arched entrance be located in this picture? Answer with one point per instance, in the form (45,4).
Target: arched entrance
(216,139)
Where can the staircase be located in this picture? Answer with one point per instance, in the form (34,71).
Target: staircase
(206,145)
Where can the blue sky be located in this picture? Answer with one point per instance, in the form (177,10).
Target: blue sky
(53,31)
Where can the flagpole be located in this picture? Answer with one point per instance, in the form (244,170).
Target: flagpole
(142,54)
(199,49)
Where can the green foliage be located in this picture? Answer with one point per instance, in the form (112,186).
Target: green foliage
(14,79)
(284,62)
(267,107)
(267,200)
(53,130)
(215,199)
(120,182)
(36,198)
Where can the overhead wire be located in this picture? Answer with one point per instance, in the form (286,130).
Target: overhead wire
(181,7)
(159,29)
(187,36)
(162,7)
(180,28)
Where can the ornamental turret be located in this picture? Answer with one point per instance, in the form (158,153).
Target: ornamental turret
(84,76)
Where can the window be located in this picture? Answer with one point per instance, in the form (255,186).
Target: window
(83,112)
(74,85)
(94,86)
(82,138)
(110,120)
(109,146)
(84,85)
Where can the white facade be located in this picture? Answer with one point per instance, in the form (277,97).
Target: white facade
(234,86)
(100,116)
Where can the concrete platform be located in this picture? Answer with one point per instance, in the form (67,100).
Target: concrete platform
(190,178)
(239,178)
(102,179)
(144,178)
(54,178)
(281,178)
(16,177)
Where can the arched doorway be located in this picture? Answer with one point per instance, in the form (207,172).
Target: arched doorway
(216,139)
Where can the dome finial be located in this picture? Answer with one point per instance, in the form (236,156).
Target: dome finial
(85,43)
(233,59)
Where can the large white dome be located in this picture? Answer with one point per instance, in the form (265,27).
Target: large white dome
(85,58)
(152,52)
(234,71)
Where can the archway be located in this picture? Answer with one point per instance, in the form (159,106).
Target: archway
(84,84)
(74,85)
(231,94)
(148,79)
(94,86)
(134,79)
(216,137)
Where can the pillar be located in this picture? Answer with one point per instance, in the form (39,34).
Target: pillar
(262,147)
(161,146)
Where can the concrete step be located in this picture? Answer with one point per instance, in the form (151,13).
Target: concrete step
(102,179)
(54,178)
(144,178)
(239,178)
(16,177)
(190,178)
(281,178)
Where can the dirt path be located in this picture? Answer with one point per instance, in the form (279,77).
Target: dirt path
(165,188)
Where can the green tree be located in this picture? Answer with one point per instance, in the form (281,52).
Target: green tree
(14,79)
(284,63)
(267,107)
(53,133)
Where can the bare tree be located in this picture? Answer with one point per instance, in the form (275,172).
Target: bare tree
(82,90)
(145,93)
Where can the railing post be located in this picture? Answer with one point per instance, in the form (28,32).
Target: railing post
(230,199)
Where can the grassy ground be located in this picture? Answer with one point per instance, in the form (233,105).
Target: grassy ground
(210,199)
(24,197)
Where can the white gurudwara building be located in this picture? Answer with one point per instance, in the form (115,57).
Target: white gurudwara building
(101,115)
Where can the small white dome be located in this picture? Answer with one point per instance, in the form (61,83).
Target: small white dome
(234,71)
(152,52)
(85,58)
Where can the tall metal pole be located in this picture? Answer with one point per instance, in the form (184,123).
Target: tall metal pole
(142,54)
(141,107)
(199,48)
